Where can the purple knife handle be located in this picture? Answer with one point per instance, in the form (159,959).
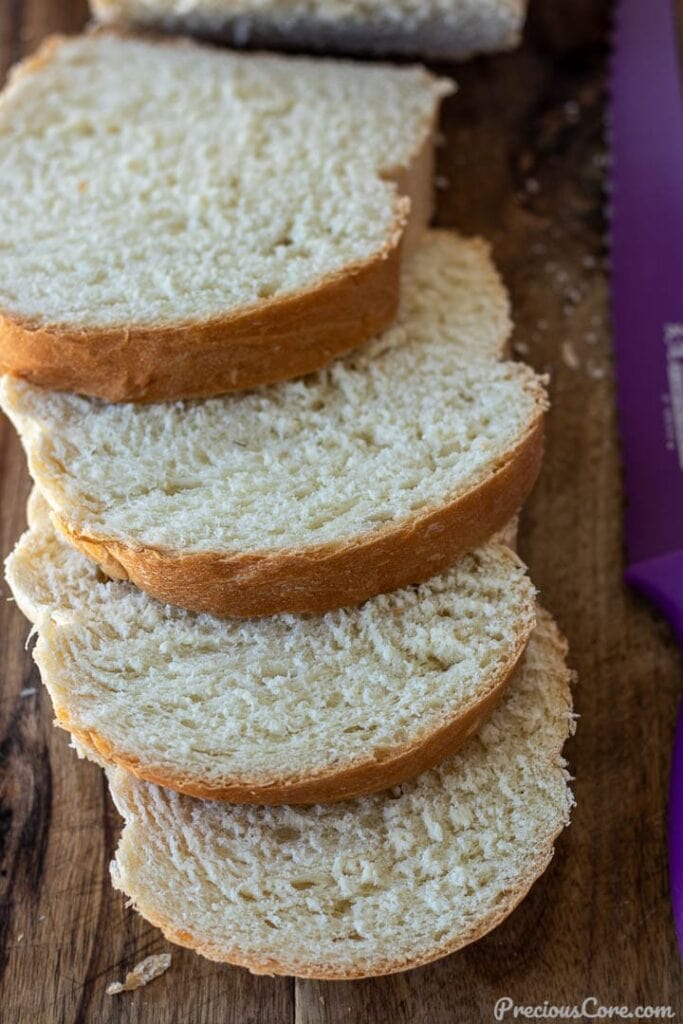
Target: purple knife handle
(646,118)
(660,580)
(646,232)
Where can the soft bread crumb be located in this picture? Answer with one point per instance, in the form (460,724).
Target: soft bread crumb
(144,972)
(194,701)
(199,182)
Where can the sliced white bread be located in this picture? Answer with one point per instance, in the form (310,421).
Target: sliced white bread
(284,709)
(178,221)
(370,475)
(370,886)
(440,29)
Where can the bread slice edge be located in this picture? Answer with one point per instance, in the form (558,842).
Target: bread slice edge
(316,579)
(277,339)
(359,777)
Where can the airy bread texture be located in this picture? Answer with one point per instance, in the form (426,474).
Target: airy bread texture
(278,710)
(370,475)
(446,29)
(205,221)
(371,886)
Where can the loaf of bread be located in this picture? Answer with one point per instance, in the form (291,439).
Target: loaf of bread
(373,474)
(178,221)
(285,709)
(370,886)
(440,29)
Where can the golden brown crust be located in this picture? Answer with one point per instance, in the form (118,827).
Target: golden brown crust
(317,579)
(274,340)
(332,785)
(36,60)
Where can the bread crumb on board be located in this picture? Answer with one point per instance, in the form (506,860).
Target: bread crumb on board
(569,356)
(144,972)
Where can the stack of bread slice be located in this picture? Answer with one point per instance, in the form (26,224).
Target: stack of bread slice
(278,452)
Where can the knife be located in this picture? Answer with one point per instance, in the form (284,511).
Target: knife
(646,236)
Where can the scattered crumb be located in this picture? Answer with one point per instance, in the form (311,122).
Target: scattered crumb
(20,937)
(442,182)
(144,972)
(542,325)
(591,338)
(597,372)
(589,261)
(42,917)
(532,186)
(569,356)
(27,692)
(521,348)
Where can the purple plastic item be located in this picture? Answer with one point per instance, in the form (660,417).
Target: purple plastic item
(646,121)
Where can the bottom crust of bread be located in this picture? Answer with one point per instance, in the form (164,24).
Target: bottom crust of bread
(279,339)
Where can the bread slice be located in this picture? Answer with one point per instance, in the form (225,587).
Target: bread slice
(205,221)
(371,886)
(373,474)
(440,29)
(279,710)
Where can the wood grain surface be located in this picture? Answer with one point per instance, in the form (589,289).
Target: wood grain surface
(523,163)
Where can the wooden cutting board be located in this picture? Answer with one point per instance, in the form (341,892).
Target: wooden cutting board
(522,163)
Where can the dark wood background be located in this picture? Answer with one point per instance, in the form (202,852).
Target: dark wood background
(523,163)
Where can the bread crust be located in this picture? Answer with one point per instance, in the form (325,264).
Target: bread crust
(314,580)
(277,339)
(360,778)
